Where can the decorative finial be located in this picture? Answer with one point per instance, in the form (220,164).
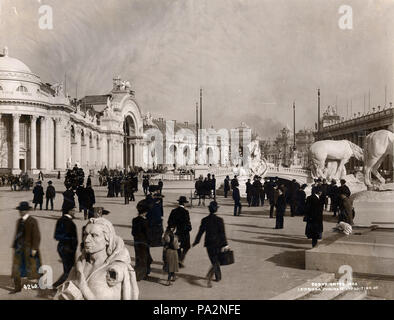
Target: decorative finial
(5,51)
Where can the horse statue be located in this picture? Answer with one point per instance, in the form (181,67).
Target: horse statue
(378,145)
(338,151)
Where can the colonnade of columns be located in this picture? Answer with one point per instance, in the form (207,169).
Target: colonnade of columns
(51,147)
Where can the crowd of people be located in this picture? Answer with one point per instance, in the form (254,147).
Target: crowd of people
(205,188)
(17,182)
(280,194)
(148,230)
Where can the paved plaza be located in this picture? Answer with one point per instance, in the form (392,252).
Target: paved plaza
(268,261)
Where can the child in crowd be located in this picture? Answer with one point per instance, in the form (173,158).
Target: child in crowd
(170,253)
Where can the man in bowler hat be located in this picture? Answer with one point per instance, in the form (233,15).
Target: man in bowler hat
(215,240)
(66,234)
(26,261)
(180,218)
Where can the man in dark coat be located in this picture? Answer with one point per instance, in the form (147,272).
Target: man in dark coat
(300,201)
(145,185)
(199,187)
(155,220)
(344,189)
(292,194)
(249,192)
(237,201)
(89,181)
(80,192)
(88,200)
(270,195)
(215,240)
(324,189)
(334,196)
(234,182)
(314,216)
(132,187)
(68,198)
(213,186)
(111,188)
(256,188)
(66,235)
(140,232)
(27,261)
(280,205)
(160,185)
(38,192)
(126,189)
(117,186)
(226,186)
(180,218)
(50,194)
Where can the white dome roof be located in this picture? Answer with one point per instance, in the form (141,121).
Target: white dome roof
(11,64)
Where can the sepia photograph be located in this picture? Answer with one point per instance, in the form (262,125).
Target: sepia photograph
(213,151)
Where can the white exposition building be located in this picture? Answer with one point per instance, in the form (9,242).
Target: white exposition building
(43,130)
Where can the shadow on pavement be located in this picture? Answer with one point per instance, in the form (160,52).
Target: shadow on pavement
(249,225)
(191,279)
(270,244)
(128,226)
(289,259)
(6,283)
(290,238)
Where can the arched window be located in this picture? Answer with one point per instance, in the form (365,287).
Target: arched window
(1,88)
(21,88)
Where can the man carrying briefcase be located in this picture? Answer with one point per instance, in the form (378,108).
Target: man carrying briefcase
(215,240)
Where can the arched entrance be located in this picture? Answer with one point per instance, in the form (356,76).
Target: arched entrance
(128,145)
(173,157)
(186,155)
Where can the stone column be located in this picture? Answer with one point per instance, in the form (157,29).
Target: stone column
(94,151)
(98,152)
(59,146)
(87,150)
(33,138)
(110,152)
(43,143)
(77,147)
(15,143)
(50,141)
(104,151)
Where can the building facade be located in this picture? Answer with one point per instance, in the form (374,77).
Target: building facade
(355,129)
(43,130)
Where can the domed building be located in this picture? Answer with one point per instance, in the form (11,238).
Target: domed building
(41,129)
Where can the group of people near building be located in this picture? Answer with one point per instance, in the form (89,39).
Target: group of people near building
(17,182)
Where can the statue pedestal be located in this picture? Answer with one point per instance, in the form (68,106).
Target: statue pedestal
(200,170)
(369,252)
(374,208)
(242,185)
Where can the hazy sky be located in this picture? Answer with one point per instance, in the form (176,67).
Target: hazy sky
(252,57)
